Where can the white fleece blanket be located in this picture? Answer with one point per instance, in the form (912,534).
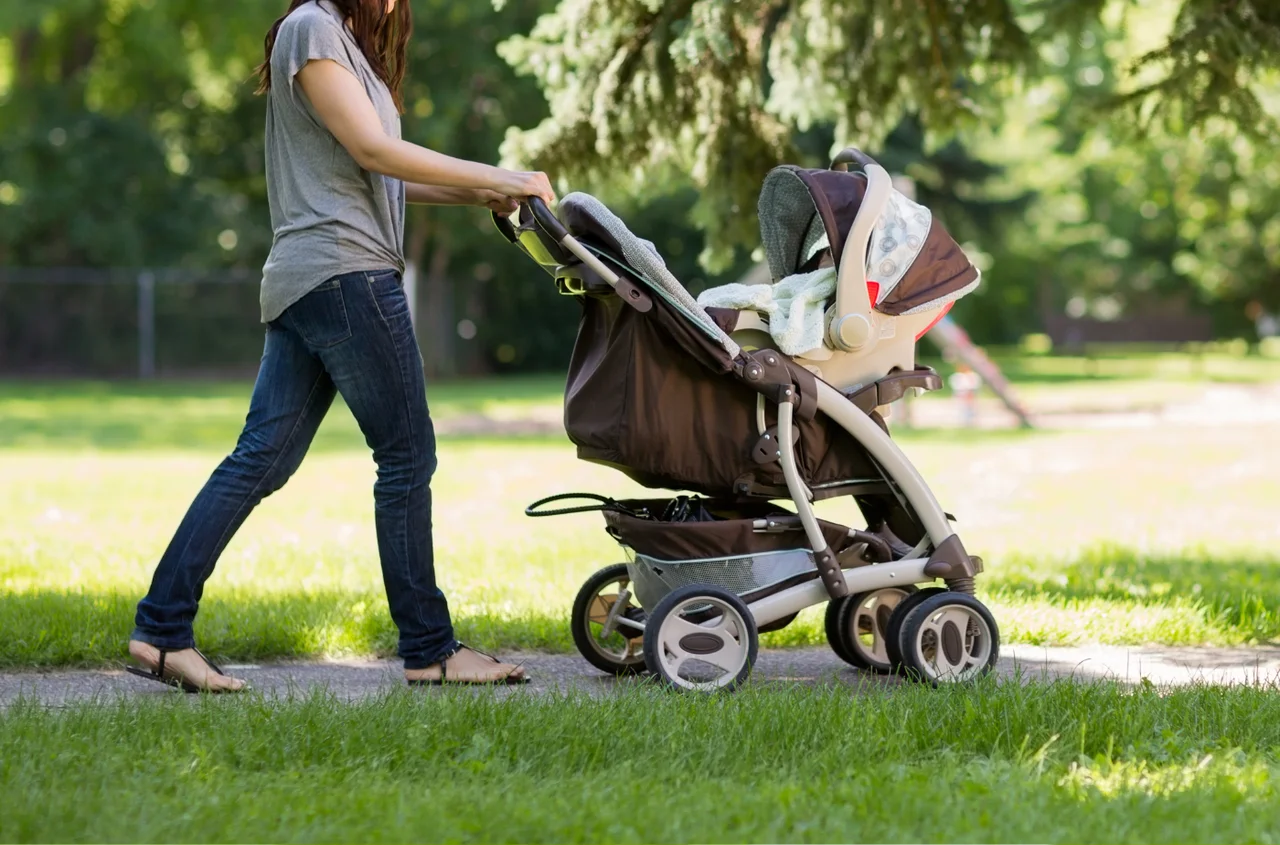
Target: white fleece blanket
(795,306)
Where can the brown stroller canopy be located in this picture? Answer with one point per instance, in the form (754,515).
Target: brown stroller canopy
(911,257)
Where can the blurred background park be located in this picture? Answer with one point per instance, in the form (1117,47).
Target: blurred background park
(133,218)
(1111,165)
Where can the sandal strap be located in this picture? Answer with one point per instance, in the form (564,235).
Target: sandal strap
(208,662)
(477,651)
(164,652)
(484,654)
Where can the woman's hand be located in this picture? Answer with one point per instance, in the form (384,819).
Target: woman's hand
(524,184)
(499,204)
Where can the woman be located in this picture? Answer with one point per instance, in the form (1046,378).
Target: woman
(338,177)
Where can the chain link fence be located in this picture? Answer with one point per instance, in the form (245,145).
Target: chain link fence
(128,322)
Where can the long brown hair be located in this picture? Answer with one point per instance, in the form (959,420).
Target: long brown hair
(382,37)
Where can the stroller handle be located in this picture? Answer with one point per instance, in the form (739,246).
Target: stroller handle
(546,219)
(538,209)
(851,155)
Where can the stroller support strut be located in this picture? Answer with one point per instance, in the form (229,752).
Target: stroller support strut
(949,559)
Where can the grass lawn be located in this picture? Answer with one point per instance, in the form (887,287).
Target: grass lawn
(1037,763)
(1164,535)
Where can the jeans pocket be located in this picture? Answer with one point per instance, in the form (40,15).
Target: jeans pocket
(320,317)
(388,293)
(384,277)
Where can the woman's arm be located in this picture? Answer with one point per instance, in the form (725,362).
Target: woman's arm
(438,195)
(344,108)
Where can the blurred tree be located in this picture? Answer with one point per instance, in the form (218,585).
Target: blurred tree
(460,99)
(1128,219)
(130,137)
(95,170)
(720,87)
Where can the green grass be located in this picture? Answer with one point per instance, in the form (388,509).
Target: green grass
(1161,535)
(1034,763)
(208,415)
(131,416)
(1124,364)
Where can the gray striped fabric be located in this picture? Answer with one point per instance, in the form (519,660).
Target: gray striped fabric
(641,256)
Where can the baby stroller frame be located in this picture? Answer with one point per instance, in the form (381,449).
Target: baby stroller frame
(939,635)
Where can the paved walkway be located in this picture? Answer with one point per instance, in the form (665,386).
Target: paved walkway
(357,679)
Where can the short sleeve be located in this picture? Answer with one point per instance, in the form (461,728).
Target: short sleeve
(307,37)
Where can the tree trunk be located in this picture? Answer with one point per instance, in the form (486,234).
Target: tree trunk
(24,55)
(79,51)
(436,317)
(415,248)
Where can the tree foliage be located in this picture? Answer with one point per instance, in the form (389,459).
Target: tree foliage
(130,137)
(719,88)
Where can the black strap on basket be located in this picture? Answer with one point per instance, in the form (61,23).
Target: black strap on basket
(599,503)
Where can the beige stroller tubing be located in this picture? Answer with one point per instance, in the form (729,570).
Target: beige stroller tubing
(889,456)
(861,580)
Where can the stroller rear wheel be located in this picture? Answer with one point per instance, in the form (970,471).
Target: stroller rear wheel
(599,622)
(861,627)
(701,638)
(949,638)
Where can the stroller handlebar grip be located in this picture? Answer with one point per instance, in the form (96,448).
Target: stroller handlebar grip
(547,219)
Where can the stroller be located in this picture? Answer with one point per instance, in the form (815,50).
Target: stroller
(700,401)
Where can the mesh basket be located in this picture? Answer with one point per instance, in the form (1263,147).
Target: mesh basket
(653,578)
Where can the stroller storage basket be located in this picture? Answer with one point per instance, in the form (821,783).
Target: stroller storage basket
(750,575)
(744,548)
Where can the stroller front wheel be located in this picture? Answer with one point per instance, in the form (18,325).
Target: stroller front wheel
(949,638)
(701,638)
(599,622)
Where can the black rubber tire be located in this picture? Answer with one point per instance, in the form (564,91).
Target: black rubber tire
(831,623)
(581,628)
(893,631)
(856,657)
(653,625)
(913,663)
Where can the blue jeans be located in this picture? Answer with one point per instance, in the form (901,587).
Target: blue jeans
(351,335)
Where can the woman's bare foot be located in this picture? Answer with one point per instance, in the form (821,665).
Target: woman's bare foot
(467,667)
(185,665)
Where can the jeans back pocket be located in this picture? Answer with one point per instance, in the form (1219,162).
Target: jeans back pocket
(320,317)
(389,296)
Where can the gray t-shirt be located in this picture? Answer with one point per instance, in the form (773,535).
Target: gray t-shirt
(329,216)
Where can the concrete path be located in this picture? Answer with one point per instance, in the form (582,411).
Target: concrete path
(358,679)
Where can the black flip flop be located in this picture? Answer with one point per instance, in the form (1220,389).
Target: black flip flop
(186,686)
(509,680)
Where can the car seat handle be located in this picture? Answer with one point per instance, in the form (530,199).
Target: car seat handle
(853,328)
(851,155)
